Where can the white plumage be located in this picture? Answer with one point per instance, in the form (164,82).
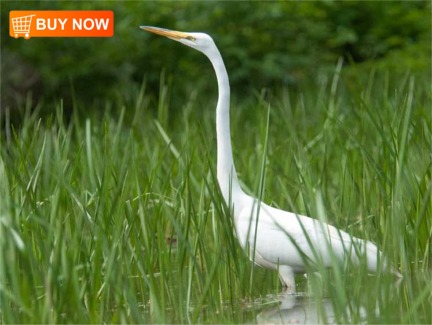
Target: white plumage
(276,239)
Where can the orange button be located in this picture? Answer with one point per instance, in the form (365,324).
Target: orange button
(61,23)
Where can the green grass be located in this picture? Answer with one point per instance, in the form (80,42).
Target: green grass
(117,218)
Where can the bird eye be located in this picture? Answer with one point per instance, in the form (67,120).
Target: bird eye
(190,38)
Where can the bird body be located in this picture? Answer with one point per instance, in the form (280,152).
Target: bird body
(275,239)
(287,242)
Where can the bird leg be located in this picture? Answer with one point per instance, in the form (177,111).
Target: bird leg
(286,275)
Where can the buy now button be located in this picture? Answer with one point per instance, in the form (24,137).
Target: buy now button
(61,23)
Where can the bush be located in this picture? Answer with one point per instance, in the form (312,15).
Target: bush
(264,44)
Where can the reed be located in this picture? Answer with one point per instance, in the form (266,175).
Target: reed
(118,218)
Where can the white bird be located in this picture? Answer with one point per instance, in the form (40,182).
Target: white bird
(276,239)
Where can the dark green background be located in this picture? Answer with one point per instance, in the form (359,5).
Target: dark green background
(264,44)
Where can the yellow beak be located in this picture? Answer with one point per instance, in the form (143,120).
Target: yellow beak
(175,35)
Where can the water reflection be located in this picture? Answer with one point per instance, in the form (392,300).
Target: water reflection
(295,309)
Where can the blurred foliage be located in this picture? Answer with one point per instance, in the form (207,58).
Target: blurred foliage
(264,44)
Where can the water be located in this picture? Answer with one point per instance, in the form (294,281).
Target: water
(396,302)
(380,300)
(303,310)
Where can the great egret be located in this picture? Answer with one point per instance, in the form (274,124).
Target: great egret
(276,239)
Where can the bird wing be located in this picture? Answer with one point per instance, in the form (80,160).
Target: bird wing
(284,238)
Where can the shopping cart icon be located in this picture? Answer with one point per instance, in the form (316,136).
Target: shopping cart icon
(21,25)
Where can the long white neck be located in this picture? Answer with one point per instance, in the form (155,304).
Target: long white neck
(226,173)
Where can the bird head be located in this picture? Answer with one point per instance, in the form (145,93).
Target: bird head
(199,41)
